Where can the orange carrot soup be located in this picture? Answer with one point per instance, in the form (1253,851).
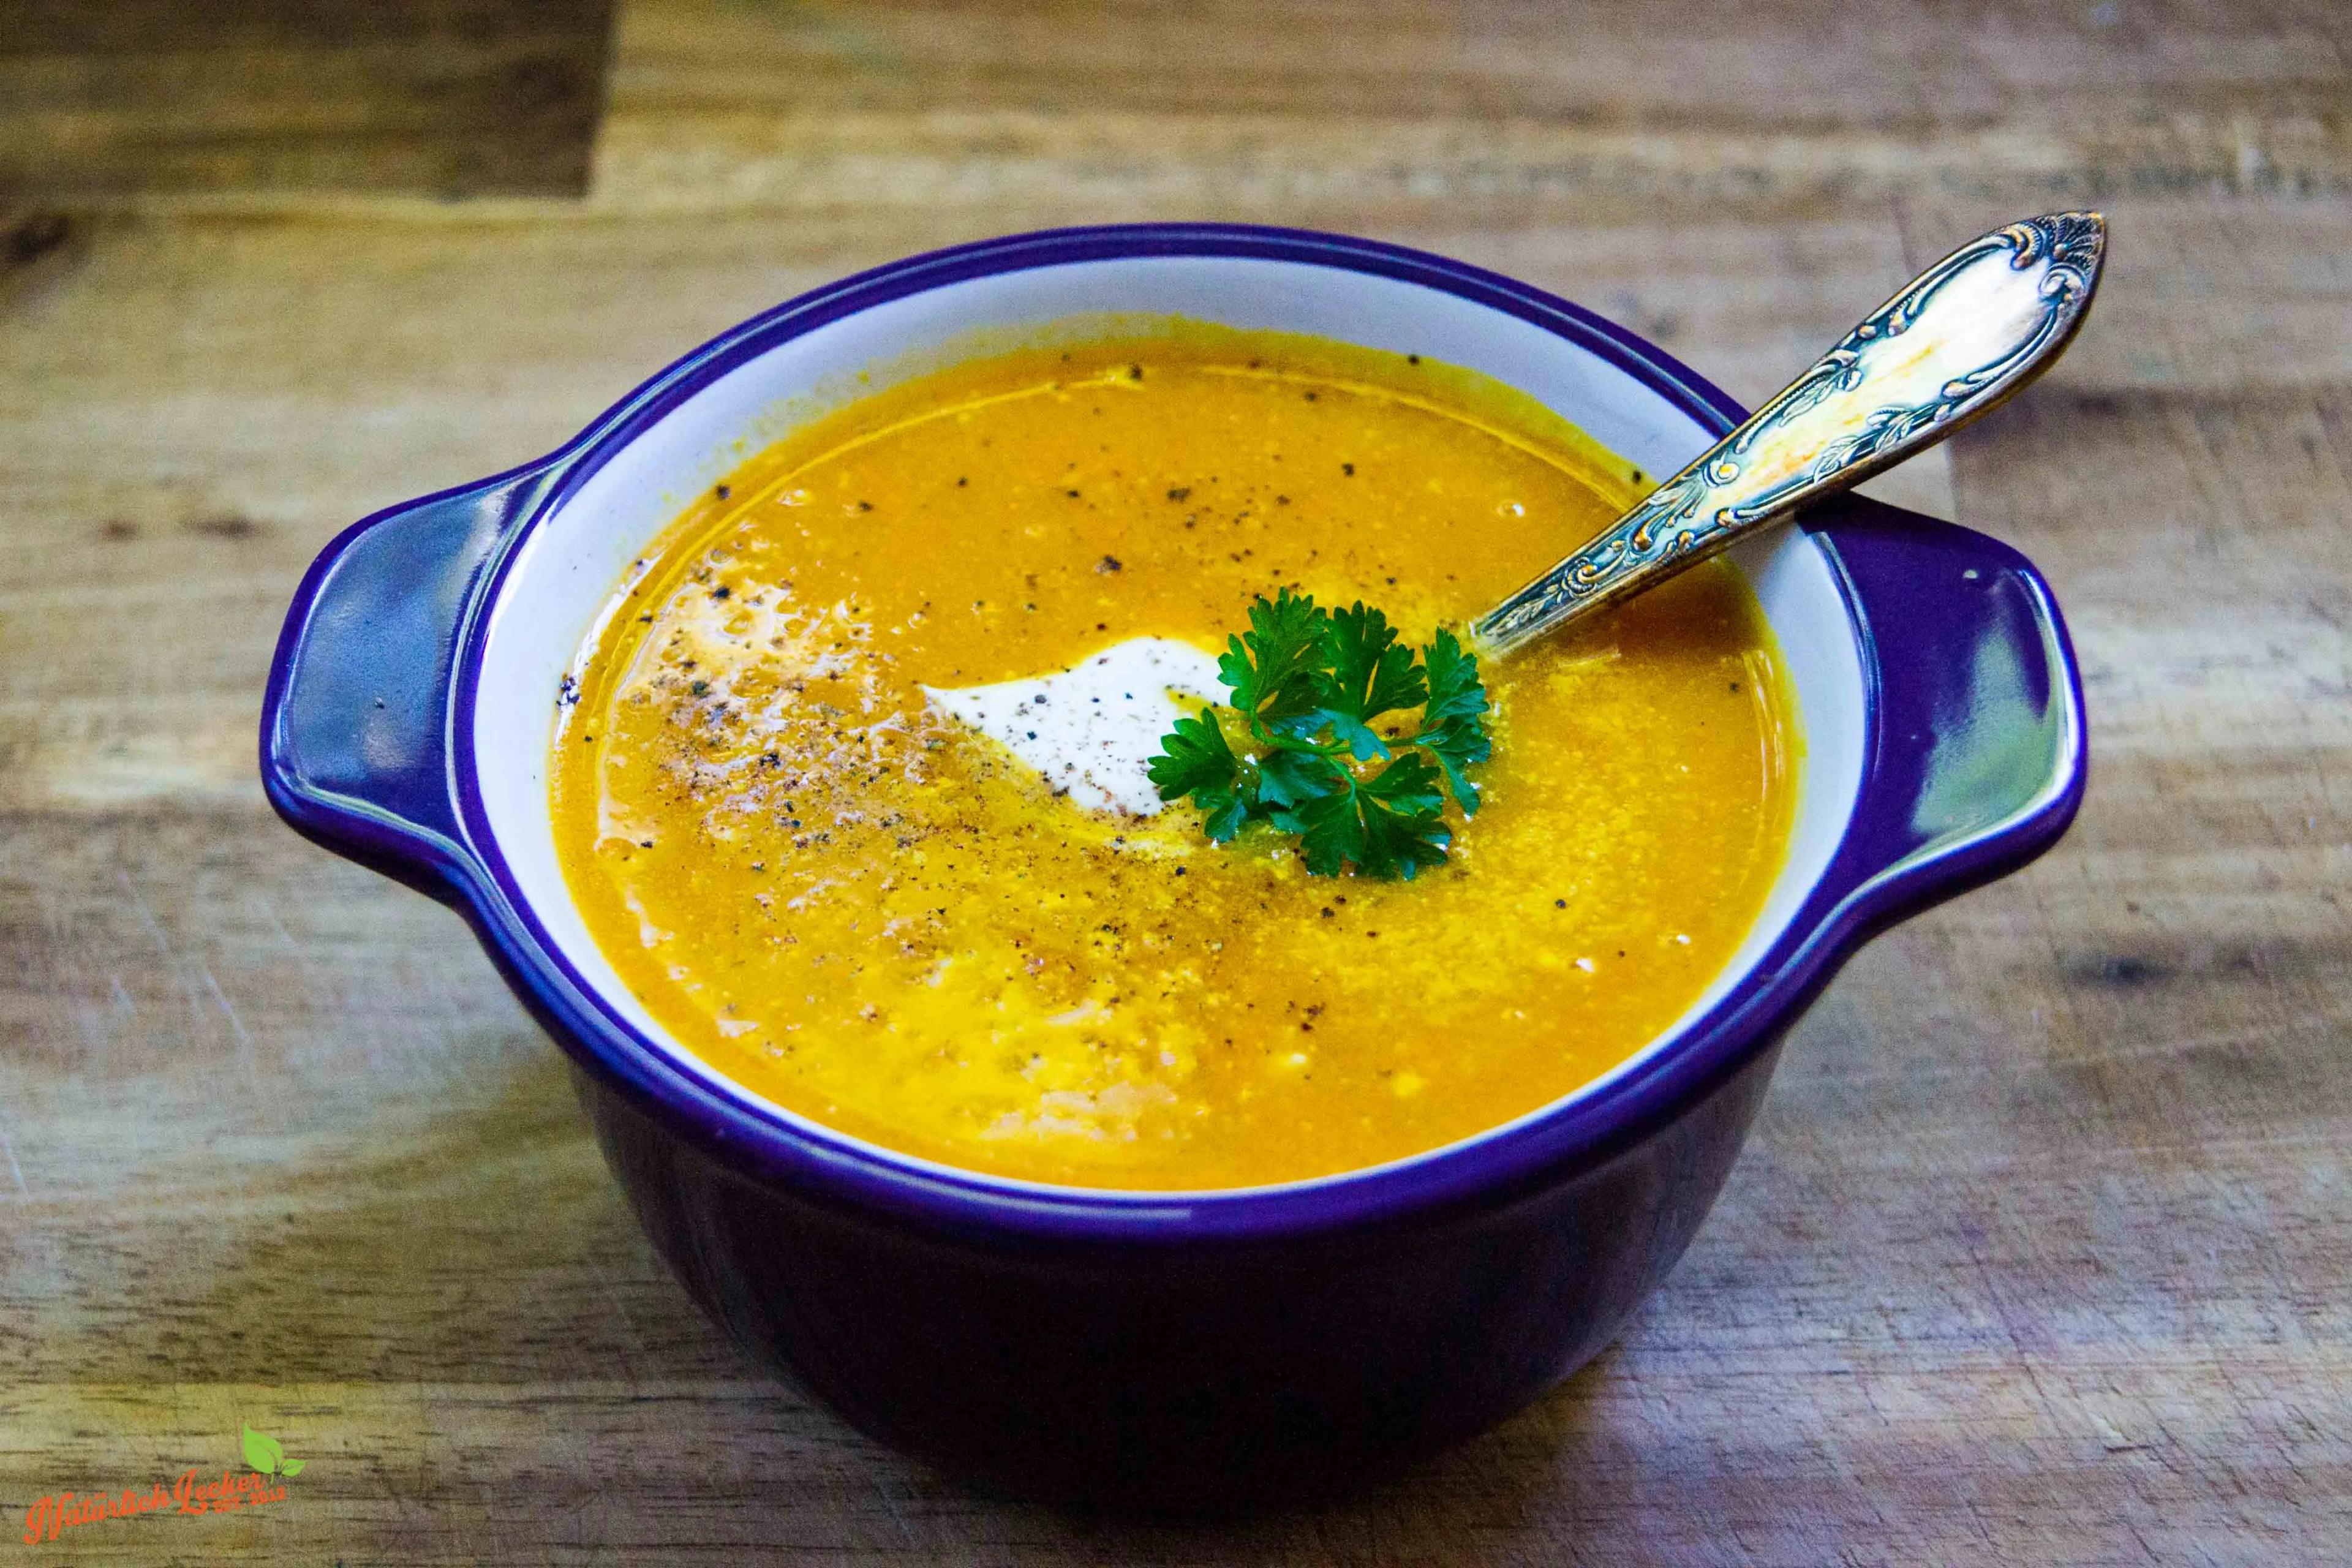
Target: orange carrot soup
(826,880)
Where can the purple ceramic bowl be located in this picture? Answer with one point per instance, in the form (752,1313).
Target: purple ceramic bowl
(1196,1349)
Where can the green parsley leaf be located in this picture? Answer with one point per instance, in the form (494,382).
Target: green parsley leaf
(1275,670)
(1407,786)
(1307,685)
(1458,747)
(1287,778)
(1222,812)
(1194,755)
(1370,675)
(1452,727)
(1455,691)
(1195,761)
(1404,818)
(1330,831)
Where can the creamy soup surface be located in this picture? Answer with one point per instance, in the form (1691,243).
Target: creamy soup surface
(836,894)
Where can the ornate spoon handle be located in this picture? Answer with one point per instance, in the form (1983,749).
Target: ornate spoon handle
(1959,339)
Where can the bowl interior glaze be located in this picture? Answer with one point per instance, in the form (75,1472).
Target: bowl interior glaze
(632,485)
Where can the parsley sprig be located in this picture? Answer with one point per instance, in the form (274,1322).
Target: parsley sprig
(1306,684)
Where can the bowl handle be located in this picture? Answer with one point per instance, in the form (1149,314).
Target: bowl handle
(355,724)
(1976,752)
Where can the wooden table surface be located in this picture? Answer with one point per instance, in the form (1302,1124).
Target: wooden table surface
(2042,1249)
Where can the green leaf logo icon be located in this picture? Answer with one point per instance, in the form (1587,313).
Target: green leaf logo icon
(263,1454)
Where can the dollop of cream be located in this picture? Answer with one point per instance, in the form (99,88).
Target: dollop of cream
(1091,731)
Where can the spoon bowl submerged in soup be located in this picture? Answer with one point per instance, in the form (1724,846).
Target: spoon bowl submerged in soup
(822,878)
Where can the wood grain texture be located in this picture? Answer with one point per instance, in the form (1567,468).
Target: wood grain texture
(447,97)
(2041,1252)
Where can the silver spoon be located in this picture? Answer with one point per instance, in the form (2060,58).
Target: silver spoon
(1959,340)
